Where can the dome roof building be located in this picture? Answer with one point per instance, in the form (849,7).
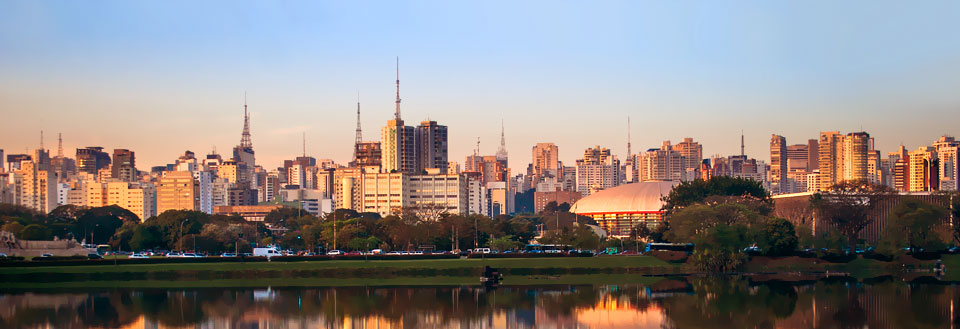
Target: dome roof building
(618,210)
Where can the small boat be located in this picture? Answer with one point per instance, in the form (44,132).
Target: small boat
(490,276)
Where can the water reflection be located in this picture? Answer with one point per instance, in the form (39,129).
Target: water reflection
(671,303)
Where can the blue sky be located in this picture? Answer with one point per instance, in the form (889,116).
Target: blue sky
(161,77)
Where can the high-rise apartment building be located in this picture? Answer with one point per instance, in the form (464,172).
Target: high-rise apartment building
(692,155)
(662,164)
(923,167)
(38,187)
(178,190)
(398,149)
(778,164)
(844,157)
(368,154)
(597,170)
(949,167)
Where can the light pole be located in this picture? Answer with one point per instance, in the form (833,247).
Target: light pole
(181,232)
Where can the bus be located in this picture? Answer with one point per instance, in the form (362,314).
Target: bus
(685,247)
(102,249)
(547,248)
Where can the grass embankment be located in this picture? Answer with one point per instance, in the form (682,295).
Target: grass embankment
(570,270)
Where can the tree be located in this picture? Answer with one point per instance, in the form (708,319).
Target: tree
(849,206)
(283,213)
(916,224)
(584,238)
(35,232)
(719,232)
(145,237)
(695,191)
(13,227)
(505,242)
(777,238)
(955,209)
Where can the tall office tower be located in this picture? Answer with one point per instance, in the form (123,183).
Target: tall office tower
(397,141)
(813,158)
(431,149)
(923,167)
(38,189)
(243,154)
(124,165)
(692,153)
(662,164)
(947,157)
(778,164)
(598,170)
(92,159)
(545,161)
(137,198)
(178,190)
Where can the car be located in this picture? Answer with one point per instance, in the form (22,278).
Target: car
(3,255)
(191,255)
(246,254)
(138,256)
(46,255)
(94,256)
(334,253)
(394,253)
(174,254)
(228,254)
(353,253)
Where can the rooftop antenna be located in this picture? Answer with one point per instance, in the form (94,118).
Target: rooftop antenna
(359,132)
(245,141)
(742,153)
(60,145)
(398,90)
(629,152)
(304,144)
(41,139)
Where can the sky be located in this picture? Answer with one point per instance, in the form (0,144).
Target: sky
(162,77)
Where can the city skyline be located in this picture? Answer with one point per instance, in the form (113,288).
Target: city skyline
(120,78)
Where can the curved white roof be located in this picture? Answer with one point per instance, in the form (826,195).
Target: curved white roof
(636,197)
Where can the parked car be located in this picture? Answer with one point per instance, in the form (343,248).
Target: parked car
(228,254)
(3,255)
(246,254)
(174,254)
(353,253)
(481,250)
(334,253)
(46,255)
(191,255)
(92,256)
(138,256)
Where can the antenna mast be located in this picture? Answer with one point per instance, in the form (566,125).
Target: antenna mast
(304,144)
(742,153)
(41,140)
(245,137)
(629,151)
(359,139)
(398,90)
(60,145)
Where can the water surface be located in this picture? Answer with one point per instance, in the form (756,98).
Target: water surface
(707,302)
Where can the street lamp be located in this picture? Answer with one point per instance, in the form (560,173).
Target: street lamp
(181,232)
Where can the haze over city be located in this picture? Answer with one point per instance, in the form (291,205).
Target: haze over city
(163,79)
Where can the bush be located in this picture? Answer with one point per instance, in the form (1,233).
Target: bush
(11,259)
(925,255)
(669,255)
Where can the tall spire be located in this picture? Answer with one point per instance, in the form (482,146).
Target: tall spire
(41,139)
(304,144)
(60,145)
(245,137)
(629,151)
(742,153)
(398,89)
(502,151)
(359,138)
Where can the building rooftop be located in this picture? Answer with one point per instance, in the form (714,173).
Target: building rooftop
(636,197)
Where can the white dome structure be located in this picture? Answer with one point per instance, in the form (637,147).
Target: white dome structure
(618,210)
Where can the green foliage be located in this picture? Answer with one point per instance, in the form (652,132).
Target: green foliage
(506,242)
(805,236)
(12,227)
(35,232)
(145,237)
(697,191)
(916,224)
(777,238)
(849,206)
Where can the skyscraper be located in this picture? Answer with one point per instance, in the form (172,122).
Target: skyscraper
(545,161)
(692,153)
(597,170)
(243,154)
(397,141)
(431,149)
(662,164)
(947,157)
(923,170)
(178,190)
